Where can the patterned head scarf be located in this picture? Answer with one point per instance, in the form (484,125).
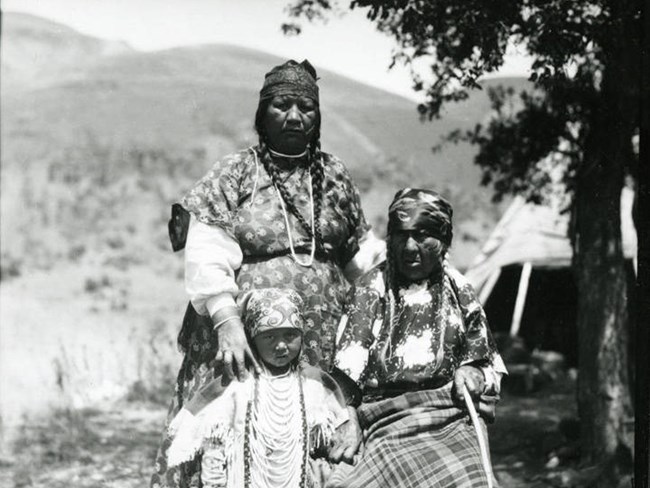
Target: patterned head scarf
(272,308)
(413,208)
(291,78)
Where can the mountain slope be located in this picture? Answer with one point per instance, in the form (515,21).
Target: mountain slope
(36,51)
(98,140)
(198,103)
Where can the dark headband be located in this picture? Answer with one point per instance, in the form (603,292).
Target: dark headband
(291,78)
(416,209)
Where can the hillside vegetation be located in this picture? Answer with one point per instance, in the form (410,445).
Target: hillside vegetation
(98,140)
(119,124)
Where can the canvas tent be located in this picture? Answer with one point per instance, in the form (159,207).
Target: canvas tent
(522,274)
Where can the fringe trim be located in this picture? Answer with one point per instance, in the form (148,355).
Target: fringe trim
(189,435)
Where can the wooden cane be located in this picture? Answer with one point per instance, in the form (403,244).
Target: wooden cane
(482,445)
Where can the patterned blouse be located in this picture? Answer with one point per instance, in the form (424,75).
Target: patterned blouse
(439,327)
(238,196)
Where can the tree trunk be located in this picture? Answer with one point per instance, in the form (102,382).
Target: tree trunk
(604,402)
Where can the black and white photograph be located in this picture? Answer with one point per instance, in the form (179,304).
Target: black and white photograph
(324,244)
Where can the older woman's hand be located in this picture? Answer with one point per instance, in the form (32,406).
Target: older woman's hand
(347,440)
(234,348)
(470,376)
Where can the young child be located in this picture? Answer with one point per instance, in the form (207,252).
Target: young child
(264,431)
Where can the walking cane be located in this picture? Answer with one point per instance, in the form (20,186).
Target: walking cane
(485,457)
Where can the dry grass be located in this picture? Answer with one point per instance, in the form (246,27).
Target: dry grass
(88,448)
(115,447)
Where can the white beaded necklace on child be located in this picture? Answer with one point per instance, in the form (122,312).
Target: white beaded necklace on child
(276,436)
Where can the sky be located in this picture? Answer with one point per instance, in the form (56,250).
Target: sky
(348,44)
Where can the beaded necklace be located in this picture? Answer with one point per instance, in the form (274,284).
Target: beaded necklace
(288,156)
(268,430)
(310,261)
(285,214)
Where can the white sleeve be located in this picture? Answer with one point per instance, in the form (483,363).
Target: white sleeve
(372,251)
(211,258)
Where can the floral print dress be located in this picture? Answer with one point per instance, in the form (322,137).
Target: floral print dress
(439,326)
(238,196)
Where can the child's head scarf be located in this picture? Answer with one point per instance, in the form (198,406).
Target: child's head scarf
(272,308)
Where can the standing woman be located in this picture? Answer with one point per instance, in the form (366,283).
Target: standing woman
(280,214)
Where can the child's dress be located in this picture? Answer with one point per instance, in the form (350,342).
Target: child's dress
(260,433)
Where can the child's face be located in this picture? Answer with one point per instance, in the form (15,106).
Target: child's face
(278,347)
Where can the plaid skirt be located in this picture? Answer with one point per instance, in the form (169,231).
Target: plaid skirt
(418,439)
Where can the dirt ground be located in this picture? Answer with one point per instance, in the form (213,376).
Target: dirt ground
(114,447)
(133,337)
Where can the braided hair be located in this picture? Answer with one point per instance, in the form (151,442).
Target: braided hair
(391,292)
(316,171)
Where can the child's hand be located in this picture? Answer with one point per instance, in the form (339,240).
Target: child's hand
(347,440)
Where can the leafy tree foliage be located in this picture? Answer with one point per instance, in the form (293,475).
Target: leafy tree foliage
(576,123)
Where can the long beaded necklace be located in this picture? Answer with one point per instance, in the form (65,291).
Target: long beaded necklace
(275,453)
(310,261)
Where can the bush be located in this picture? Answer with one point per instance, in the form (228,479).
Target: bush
(94,285)
(10,267)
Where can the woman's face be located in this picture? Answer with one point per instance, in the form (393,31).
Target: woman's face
(289,123)
(278,347)
(417,254)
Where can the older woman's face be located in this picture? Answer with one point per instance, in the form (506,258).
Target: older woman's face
(416,253)
(289,123)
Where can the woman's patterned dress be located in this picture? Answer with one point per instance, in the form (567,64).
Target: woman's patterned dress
(439,327)
(415,434)
(238,196)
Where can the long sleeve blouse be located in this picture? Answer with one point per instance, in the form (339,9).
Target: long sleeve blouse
(437,328)
(235,215)
(210,275)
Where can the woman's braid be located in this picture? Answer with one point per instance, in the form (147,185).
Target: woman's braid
(391,289)
(274,173)
(392,285)
(317,177)
(315,168)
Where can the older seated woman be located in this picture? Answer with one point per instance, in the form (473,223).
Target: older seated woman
(416,339)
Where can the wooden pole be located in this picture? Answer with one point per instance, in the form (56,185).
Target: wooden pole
(487,288)
(522,291)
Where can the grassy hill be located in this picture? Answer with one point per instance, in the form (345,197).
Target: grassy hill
(37,51)
(98,140)
(87,96)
